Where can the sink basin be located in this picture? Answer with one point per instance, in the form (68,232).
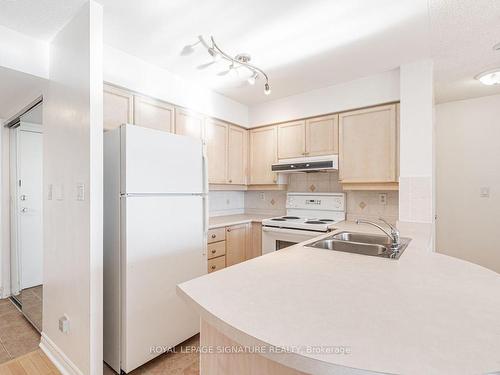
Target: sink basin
(361,243)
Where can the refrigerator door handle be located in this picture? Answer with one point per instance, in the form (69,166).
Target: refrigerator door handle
(205,199)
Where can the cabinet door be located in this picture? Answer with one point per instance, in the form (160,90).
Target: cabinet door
(367,145)
(254,247)
(237,155)
(216,133)
(263,153)
(117,107)
(188,123)
(322,136)
(291,140)
(236,244)
(154,114)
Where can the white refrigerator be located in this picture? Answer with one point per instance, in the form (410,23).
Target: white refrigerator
(155,227)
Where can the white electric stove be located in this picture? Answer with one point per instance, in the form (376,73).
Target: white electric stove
(307,216)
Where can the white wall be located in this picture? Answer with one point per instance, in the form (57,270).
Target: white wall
(4,214)
(375,89)
(467,159)
(135,74)
(23,53)
(73,155)
(416,143)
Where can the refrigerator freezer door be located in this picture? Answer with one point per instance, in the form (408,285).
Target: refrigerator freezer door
(163,246)
(154,161)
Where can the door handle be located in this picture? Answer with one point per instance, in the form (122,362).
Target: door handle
(24,209)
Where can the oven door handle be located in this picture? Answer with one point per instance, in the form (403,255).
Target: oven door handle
(292,231)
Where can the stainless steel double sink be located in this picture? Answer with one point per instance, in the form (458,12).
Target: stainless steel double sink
(362,243)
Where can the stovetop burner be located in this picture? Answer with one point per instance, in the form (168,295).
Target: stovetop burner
(291,217)
(278,219)
(326,220)
(314,222)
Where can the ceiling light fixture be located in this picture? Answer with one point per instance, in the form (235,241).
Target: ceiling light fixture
(490,77)
(236,62)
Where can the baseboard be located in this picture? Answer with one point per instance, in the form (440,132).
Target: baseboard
(58,358)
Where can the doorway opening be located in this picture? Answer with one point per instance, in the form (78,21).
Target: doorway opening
(21,315)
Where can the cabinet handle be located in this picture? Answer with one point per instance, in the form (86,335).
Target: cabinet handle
(213,251)
(229,229)
(213,267)
(213,236)
(274,181)
(230,181)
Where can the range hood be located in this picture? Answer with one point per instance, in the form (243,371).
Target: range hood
(307,164)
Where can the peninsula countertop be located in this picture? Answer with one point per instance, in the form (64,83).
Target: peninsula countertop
(426,313)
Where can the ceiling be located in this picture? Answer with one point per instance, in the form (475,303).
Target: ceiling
(17,90)
(301,44)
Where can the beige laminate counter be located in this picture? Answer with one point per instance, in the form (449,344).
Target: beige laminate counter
(426,313)
(228,220)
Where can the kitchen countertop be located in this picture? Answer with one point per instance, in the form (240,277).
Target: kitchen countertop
(224,221)
(426,313)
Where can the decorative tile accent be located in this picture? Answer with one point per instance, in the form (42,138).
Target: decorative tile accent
(362,205)
(312,187)
(272,202)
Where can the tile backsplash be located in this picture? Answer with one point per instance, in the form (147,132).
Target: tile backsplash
(360,204)
(226,203)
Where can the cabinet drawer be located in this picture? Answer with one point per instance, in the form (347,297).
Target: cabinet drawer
(216,249)
(217,234)
(216,264)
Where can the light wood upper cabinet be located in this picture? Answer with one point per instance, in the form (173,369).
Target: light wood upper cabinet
(236,243)
(216,133)
(322,136)
(291,140)
(154,114)
(189,123)
(263,153)
(237,155)
(368,145)
(117,107)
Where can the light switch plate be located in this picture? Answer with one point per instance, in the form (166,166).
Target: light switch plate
(80,191)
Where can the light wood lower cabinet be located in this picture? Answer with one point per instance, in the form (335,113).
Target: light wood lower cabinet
(118,107)
(254,245)
(153,114)
(216,264)
(368,147)
(236,243)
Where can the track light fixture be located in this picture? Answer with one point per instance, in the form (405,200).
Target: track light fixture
(236,62)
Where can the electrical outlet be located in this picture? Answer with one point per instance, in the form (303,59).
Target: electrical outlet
(484,192)
(228,202)
(80,191)
(262,196)
(382,199)
(49,192)
(64,324)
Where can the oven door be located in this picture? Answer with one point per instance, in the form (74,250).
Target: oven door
(279,238)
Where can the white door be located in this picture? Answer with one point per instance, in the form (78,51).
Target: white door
(163,245)
(29,206)
(160,162)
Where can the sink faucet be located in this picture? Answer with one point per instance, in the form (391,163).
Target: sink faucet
(393,234)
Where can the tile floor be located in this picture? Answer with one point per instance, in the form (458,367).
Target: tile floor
(34,363)
(178,363)
(17,335)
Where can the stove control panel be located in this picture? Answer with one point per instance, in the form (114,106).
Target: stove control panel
(318,201)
